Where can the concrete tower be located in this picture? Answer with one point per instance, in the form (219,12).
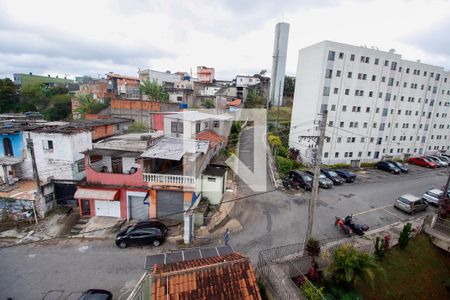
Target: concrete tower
(279,63)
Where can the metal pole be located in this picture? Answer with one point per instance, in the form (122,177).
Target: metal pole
(315,187)
(39,194)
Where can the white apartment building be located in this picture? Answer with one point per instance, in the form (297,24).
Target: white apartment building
(379,105)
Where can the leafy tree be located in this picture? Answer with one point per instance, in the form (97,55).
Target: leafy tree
(289,86)
(8,95)
(208,103)
(350,266)
(89,105)
(35,95)
(284,165)
(60,108)
(154,91)
(137,127)
(254,100)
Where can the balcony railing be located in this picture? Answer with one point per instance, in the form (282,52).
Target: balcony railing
(169,179)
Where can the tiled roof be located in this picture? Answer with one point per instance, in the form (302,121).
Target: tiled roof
(221,277)
(213,138)
(235,102)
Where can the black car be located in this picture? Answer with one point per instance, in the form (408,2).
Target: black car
(143,233)
(304,180)
(333,176)
(346,174)
(96,294)
(324,182)
(388,167)
(399,165)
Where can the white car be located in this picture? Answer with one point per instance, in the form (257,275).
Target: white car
(439,161)
(433,196)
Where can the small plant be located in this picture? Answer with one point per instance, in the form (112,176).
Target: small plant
(387,242)
(284,164)
(311,292)
(379,248)
(405,236)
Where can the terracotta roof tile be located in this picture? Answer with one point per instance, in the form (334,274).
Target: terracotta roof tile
(235,102)
(213,138)
(220,277)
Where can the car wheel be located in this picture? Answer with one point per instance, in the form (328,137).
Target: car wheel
(156,243)
(123,245)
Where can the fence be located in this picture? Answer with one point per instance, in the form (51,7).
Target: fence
(142,291)
(278,265)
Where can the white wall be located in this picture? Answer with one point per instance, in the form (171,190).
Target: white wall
(213,190)
(158,77)
(245,81)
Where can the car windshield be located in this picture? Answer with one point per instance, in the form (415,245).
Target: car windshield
(130,229)
(322,176)
(333,173)
(307,178)
(435,193)
(391,165)
(404,200)
(399,164)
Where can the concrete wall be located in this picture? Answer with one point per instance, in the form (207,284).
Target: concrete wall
(213,190)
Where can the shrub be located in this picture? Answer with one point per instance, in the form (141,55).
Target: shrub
(339,166)
(379,248)
(368,165)
(233,138)
(137,127)
(235,127)
(284,164)
(311,292)
(274,140)
(282,151)
(262,291)
(405,236)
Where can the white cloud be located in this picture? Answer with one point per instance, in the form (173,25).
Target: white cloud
(95,37)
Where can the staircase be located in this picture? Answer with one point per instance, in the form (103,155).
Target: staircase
(76,229)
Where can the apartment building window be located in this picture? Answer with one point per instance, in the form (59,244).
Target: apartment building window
(386,63)
(367,109)
(338,73)
(382,126)
(341,55)
(325,154)
(365,125)
(405,84)
(341,124)
(328,73)
(347,91)
(330,124)
(349,140)
(326,91)
(374,77)
(438,76)
(216,124)
(362,140)
(346,154)
(331,55)
(197,127)
(333,107)
(370,94)
(369,153)
(385,112)
(349,75)
(377,110)
(380,95)
(424,73)
(407,70)
(422,87)
(387,97)
(402,98)
(377,61)
(393,65)
(359,154)
(352,57)
(344,107)
(391,81)
(393,138)
(338,140)
(379,140)
(431,75)
(374,125)
(383,79)
(336,90)
(336,154)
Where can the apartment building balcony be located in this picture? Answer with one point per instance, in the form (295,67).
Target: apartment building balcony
(169,179)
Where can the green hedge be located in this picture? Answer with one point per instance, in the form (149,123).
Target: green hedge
(339,166)
(284,164)
(368,165)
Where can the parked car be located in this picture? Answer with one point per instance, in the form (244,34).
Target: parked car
(333,176)
(324,182)
(143,233)
(410,203)
(96,294)
(302,179)
(422,161)
(444,158)
(433,196)
(388,167)
(438,161)
(346,174)
(399,165)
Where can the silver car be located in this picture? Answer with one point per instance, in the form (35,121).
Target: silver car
(410,203)
(432,196)
(438,161)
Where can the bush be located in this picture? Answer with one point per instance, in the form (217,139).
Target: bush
(274,140)
(137,127)
(262,291)
(233,138)
(282,151)
(339,166)
(235,127)
(368,165)
(405,236)
(284,164)
(311,292)
(379,248)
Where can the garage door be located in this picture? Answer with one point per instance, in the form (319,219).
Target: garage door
(138,210)
(107,208)
(169,205)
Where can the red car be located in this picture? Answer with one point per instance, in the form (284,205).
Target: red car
(422,161)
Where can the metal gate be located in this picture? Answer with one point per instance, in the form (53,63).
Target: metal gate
(138,210)
(169,205)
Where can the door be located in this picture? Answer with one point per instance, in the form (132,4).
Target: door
(138,237)
(138,210)
(170,205)
(85,207)
(107,208)
(7,147)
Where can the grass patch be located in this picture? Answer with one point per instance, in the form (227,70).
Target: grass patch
(417,272)
(285,113)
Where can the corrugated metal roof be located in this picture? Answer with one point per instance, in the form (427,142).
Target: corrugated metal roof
(175,148)
(83,193)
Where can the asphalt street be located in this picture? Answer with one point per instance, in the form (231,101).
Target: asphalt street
(63,269)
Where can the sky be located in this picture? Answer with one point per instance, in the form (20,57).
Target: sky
(86,37)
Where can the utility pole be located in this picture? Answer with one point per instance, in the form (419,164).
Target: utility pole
(319,140)
(444,201)
(39,196)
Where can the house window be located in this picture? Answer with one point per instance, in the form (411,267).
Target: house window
(7,147)
(48,145)
(197,127)
(179,98)
(80,165)
(212,179)
(176,127)
(216,124)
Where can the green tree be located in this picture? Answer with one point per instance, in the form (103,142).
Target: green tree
(405,236)
(284,164)
(89,105)
(254,100)
(137,127)
(60,108)
(208,103)
(8,96)
(350,266)
(34,94)
(154,91)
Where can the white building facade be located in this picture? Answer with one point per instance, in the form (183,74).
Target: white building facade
(280,45)
(378,104)
(158,76)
